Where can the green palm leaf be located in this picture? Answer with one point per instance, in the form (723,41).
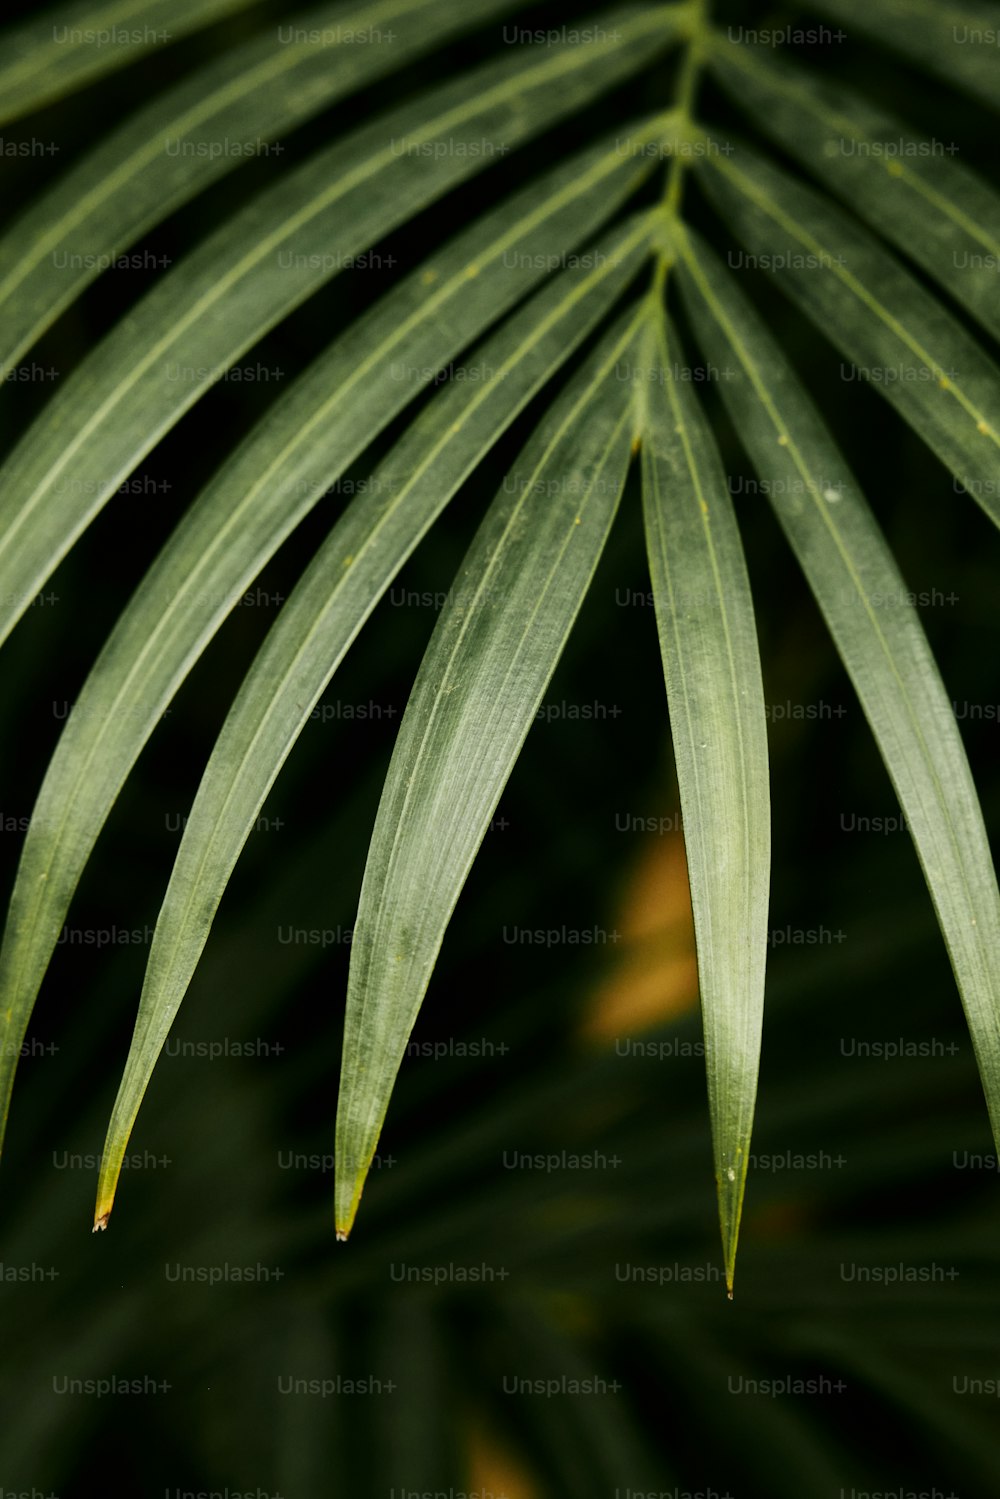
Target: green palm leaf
(207,311)
(958,42)
(906,343)
(877,632)
(78,43)
(478,690)
(708,640)
(191,136)
(911,188)
(281,471)
(349,574)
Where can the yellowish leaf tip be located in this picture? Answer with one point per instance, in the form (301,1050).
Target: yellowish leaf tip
(345,1218)
(101,1222)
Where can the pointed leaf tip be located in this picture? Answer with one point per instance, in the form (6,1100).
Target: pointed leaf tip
(480,686)
(715,698)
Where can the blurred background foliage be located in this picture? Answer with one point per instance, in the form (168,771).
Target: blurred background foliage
(613,1273)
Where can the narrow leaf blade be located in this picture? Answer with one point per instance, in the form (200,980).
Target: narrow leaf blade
(911,188)
(958,42)
(479,687)
(877,632)
(191,136)
(900,338)
(708,640)
(75,44)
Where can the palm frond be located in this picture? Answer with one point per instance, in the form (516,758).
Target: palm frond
(889,247)
(276,477)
